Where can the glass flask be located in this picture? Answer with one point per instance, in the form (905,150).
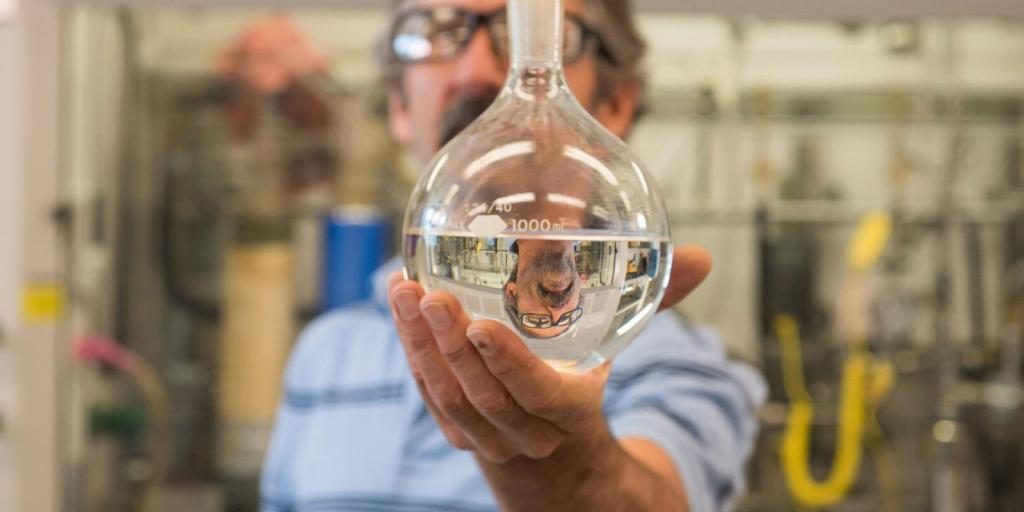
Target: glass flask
(540,218)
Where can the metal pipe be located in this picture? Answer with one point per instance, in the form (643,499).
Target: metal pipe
(945,478)
(993,212)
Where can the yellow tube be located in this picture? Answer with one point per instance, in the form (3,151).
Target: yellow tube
(864,384)
(796,439)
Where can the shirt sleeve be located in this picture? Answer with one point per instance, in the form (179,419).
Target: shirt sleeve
(676,388)
(277,493)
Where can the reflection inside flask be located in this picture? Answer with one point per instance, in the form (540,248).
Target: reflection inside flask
(543,294)
(566,289)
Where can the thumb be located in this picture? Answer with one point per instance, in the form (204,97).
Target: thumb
(690,265)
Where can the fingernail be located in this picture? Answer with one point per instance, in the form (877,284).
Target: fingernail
(437,316)
(408,305)
(481,340)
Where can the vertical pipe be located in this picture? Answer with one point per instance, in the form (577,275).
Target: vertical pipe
(946,482)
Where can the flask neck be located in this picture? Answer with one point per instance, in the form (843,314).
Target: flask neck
(535,29)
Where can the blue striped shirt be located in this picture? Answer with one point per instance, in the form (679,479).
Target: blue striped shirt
(353,434)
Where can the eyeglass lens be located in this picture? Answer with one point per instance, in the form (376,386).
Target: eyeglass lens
(443,32)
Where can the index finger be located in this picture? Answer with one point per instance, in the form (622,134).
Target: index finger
(536,387)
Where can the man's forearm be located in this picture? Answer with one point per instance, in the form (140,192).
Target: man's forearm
(595,475)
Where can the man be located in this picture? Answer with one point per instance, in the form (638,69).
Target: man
(404,404)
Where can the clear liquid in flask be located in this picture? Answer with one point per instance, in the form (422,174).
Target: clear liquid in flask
(573,297)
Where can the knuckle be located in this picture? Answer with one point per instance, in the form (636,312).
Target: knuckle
(501,369)
(497,454)
(519,421)
(457,440)
(494,403)
(418,340)
(544,405)
(453,403)
(456,355)
(541,449)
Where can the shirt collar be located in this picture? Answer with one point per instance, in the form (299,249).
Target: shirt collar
(380,282)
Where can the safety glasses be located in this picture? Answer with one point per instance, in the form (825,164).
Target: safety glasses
(544,320)
(442,33)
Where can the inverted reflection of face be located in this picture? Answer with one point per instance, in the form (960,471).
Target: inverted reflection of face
(543,294)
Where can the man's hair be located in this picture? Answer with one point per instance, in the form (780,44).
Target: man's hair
(614,22)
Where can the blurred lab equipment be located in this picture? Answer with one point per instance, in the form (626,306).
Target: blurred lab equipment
(357,240)
(206,151)
(242,158)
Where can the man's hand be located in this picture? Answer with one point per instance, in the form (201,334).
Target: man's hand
(491,395)
(488,393)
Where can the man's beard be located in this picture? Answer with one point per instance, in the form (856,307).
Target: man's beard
(556,266)
(467,106)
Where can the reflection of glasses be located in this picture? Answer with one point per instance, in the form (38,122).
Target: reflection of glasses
(442,33)
(544,320)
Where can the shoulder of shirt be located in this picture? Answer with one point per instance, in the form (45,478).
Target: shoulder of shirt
(671,331)
(334,339)
(672,344)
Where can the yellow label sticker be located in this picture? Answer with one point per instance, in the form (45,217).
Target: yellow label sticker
(41,303)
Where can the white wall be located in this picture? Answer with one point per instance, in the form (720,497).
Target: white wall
(28,250)
(10,173)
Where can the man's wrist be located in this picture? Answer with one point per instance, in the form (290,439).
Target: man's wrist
(579,475)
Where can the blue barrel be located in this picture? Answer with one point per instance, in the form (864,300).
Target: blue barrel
(357,240)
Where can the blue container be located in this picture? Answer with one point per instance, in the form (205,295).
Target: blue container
(357,240)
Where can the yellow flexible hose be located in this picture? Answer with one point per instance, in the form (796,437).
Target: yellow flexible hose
(795,442)
(864,383)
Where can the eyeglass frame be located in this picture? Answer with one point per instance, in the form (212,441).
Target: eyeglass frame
(476,20)
(565,320)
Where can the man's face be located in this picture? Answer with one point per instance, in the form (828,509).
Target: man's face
(547,283)
(438,99)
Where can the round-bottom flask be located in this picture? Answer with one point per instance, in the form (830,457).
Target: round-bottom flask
(540,218)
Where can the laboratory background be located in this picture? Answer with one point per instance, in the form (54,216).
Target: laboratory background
(856,169)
